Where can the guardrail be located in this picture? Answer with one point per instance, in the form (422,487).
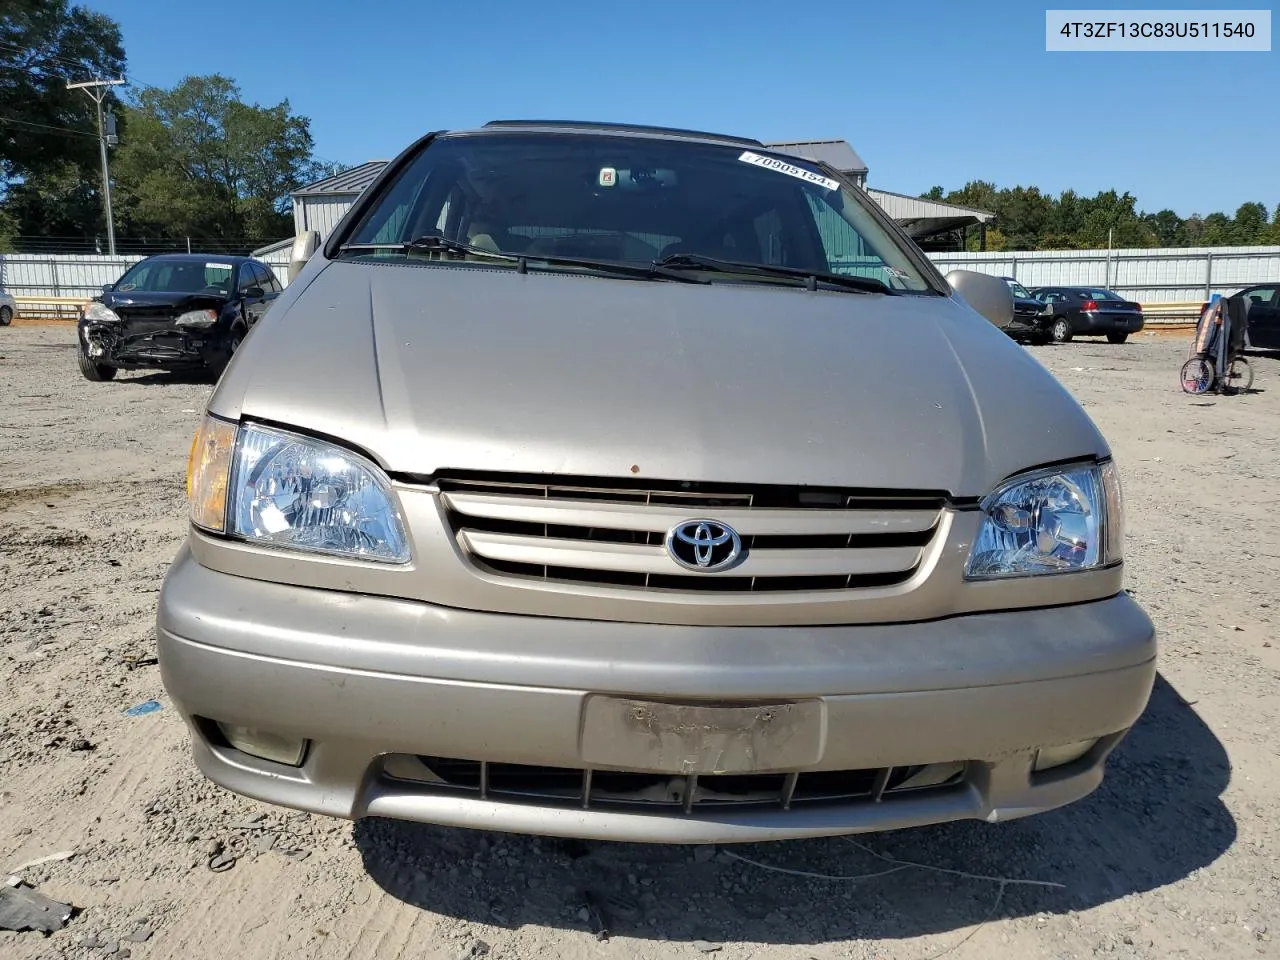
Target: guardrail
(1185,311)
(55,308)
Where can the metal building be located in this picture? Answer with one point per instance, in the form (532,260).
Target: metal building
(932,224)
(320,205)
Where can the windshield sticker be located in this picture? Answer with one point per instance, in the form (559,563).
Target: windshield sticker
(217,266)
(608,176)
(126,287)
(781,166)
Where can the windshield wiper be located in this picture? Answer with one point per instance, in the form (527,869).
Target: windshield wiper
(696,261)
(436,243)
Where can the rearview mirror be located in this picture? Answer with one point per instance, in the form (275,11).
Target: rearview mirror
(304,245)
(988,295)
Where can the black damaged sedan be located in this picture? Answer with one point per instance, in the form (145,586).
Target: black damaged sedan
(179,311)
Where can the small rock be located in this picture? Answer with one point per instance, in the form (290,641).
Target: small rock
(253,822)
(141,935)
(110,947)
(78,746)
(213,847)
(265,843)
(706,946)
(704,853)
(473,948)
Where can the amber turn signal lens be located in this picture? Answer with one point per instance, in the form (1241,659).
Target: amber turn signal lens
(209,473)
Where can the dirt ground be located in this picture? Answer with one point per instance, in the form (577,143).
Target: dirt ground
(1175,856)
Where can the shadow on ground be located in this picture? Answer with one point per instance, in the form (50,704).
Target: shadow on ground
(167,377)
(1158,817)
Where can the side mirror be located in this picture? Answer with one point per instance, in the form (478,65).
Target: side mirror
(254,293)
(304,245)
(988,295)
(108,287)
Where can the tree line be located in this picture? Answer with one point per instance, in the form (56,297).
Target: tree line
(193,161)
(1027,219)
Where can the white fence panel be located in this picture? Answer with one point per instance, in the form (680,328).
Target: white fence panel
(1159,275)
(82,275)
(1148,276)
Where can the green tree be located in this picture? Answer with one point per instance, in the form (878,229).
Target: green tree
(1252,224)
(1166,226)
(47,132)
(200,162)
(1219,231)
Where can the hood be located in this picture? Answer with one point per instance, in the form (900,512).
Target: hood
(433,368)
(137,301)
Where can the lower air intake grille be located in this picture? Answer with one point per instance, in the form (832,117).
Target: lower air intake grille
(655,792)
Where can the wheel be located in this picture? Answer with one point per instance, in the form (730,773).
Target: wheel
(97,372)
(1061,331)
(6,315)
(1239,376)
(1117,337)
(1197,375)
(234,338)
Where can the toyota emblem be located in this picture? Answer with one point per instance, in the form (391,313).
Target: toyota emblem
(704,545)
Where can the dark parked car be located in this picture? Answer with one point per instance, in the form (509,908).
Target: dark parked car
(1262,315)
(174,312)
(1090,312)
(1031,318)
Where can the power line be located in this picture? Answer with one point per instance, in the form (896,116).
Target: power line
(45,126)
(41,55)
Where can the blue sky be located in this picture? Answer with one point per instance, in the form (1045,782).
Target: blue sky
(928,93)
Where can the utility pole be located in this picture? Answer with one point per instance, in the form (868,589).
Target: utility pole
(97,91)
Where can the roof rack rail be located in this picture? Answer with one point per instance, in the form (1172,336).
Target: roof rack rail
(630,127)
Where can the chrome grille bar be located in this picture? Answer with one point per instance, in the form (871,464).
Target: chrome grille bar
(643,558)
(652,518)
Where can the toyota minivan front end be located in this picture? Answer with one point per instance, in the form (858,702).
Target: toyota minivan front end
(640,484)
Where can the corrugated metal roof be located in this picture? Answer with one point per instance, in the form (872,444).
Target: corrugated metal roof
(352,181)
(837,153)
(900,206)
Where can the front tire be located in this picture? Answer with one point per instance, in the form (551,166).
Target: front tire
(1117,337)
(235,336)
(6,315)
(1061,331)
(97,372)
(1197,376)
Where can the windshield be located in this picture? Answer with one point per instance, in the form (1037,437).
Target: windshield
(1018,290)
(633,200)
(177,276)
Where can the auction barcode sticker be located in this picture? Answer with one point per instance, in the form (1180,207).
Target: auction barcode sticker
(1157,30)
(781,166)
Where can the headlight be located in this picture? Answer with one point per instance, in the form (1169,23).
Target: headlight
(298,493)
(1050,521)
(100,312)
(197,318)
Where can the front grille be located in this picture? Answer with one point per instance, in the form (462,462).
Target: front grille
(612,533)
(612,790)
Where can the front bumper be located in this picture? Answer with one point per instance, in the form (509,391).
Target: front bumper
(168,348)
(372,681)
